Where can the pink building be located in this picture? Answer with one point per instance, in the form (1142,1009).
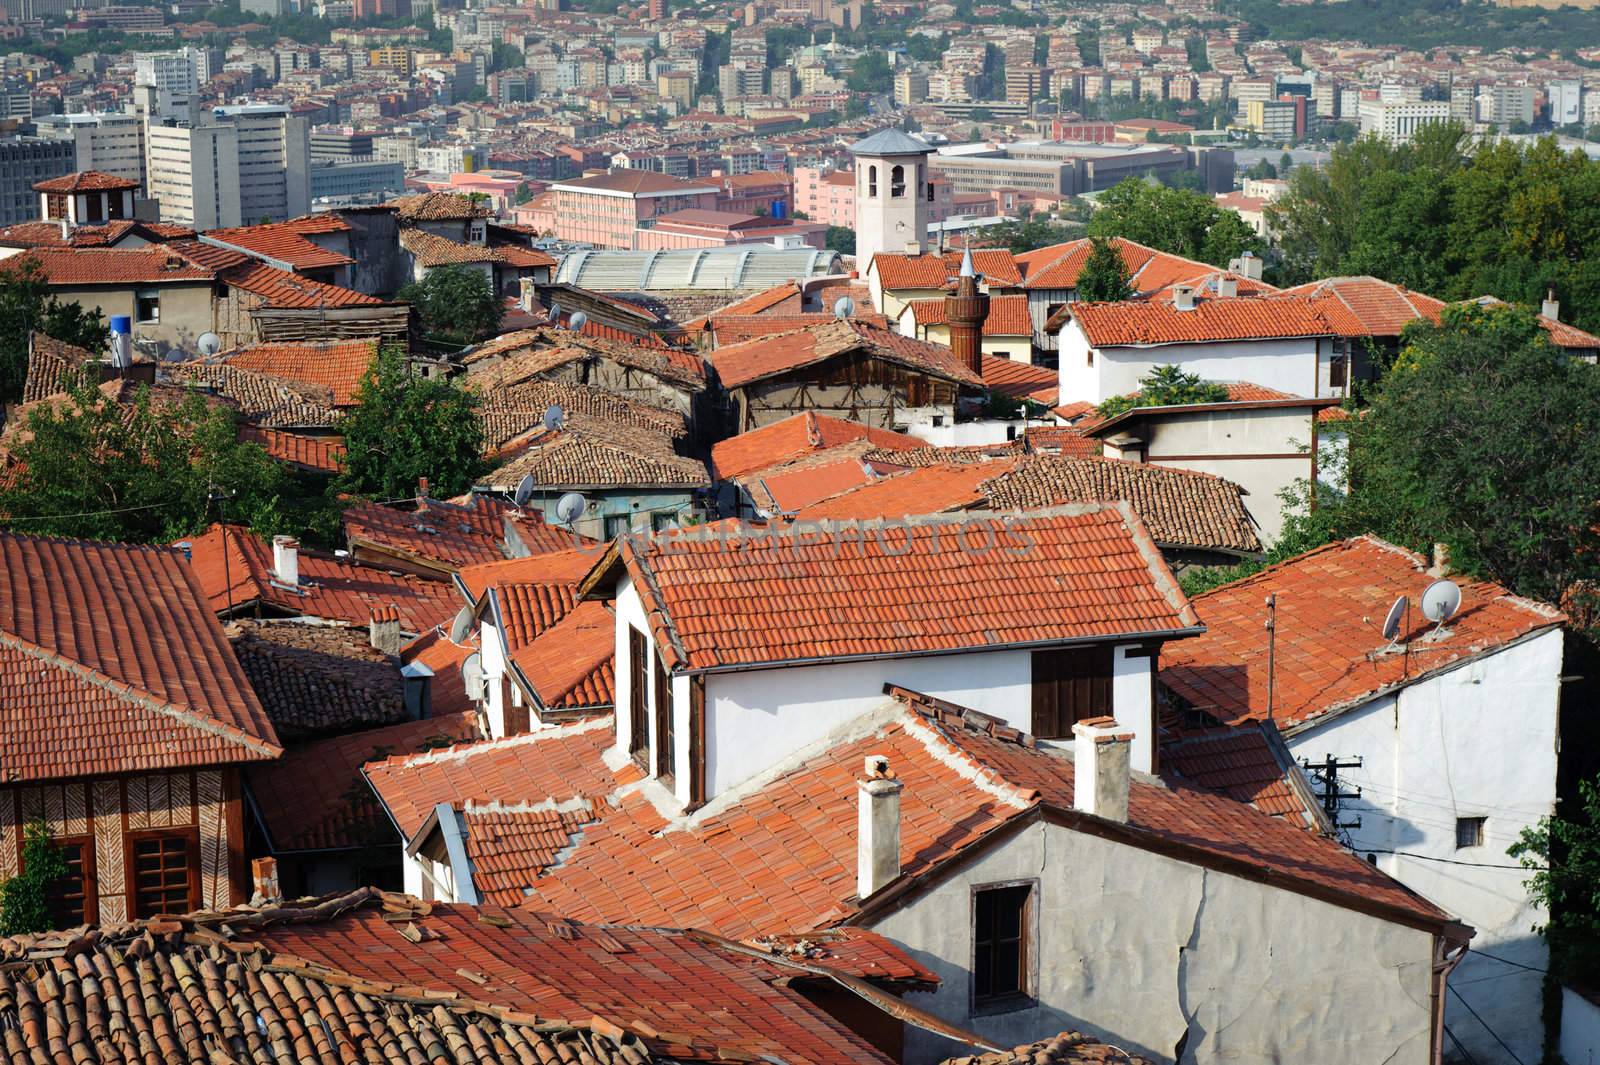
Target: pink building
(830,197)
(715,229)
(609,210)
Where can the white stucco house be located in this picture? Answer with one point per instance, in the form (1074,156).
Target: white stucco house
(1280,343)
(1451,735)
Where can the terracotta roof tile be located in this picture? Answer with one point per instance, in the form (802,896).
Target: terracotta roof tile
(430,249)
(1008,316)
(513,358)
(266,401)
(280,288)
(1242,763)
(288,241)
(744,596)
(517,409)
(1068,1048)
(995,265)
(337,365)
(49,361)
(571,663)
(316,454)
(743,364)
(1211,321)
(563,567)
(85,181)
(1022,380)
(591,452)
(792,438)
(316,679)
(728,330)
(439,207)
(1068,440)
(798,485)
(450,534)
(946,455)
(1330,604)
(934,489)
(314,797)
(155,264)
(154,656)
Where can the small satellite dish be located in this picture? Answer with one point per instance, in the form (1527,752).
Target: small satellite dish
(554,313)
(461,627)
(472,676)
(844,307)
(570,507)
(524,490)
(1441,600)
(1391,624)
(553,417)
(577,321)
(209,344)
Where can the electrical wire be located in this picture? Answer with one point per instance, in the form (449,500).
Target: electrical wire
(1453,861)
(1464,1052)
(1506,961)
(92,513)
(1480,1020)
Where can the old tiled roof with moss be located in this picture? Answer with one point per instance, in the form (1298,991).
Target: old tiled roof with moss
(1068,1048)
(519,356)
(267,401)
(593,453)
(316,679)
(507,413)
(440,207)
(49,363)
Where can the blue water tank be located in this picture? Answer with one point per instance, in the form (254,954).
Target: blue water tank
(121,323)
(779,209)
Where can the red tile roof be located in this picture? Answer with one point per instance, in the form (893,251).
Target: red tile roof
(636,183)
(783,858)
(744,364)
(318,454)
(1330,605)
(801,484)
(314,797)
(112,662)
(745,596)
(451,534)
(1008,315)
(288,241)
(934,489)
(1249,764)
(240,574)
(1211,321)
(995,265)
(1012,377)
(1367,306)
(570,663)
(566,567)
(317,679)
(513,358)
(727,329)
(792,438)
(279,288)
(155,264)
(1067,440)
(439,207)
(85,181)
(1058,266)
(337,365)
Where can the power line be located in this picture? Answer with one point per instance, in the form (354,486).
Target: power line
(1465,1053)
(1485,1024)
(1453,861)
(92,513)
(1506,961)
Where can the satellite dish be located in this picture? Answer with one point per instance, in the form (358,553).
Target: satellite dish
(524,490)
(570,507)
(577,321)
(1441,600)
(472,676)
(553,417)
(844,307)
(555,313)
(1391,624)
(461,627)
(209,344)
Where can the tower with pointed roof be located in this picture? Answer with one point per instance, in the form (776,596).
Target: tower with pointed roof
(891,195)
(966,309)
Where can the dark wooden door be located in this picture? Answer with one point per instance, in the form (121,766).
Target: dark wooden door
(1070,684)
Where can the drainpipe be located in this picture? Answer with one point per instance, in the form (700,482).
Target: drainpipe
(1443,966)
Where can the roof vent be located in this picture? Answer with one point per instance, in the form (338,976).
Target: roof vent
(1227,287)
(877,827)
(1183,297)
(286,560)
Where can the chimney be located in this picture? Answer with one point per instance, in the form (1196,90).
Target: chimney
(1183,297)
(1441,561)
(422,489)
(66,229)
(1247,265)
(1227,287)
(383,630)
(264,873)
(526,294)
(1551,307)
(1100,768)
(877,828)
(286,560)
(966,309)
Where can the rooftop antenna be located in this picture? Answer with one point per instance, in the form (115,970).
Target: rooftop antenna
(461,626)
(472,676)
(844,307)
(209,344)
(1440,601)
(1391,623)
(524,491)
(554,417)
(553,315)
(570,507)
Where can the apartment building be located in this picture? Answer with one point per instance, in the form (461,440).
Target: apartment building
(238,166)
(607,209)
(1398,122)
(25,161)
(108,142)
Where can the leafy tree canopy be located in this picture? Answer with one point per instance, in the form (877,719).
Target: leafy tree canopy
(841,239)
(407,428)
(1564,854)
(1105,274)
(25,899)
(1036,231)
(26,305)
(870,73)
(1179,221)
(457,302)
(1166,386)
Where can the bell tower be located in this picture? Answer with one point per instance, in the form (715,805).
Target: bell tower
(892,195)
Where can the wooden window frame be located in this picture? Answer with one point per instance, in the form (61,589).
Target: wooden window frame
(1478,826)
(1026,996)
(191,835)
(91,887)
(666,727)
(1060,700)
(638,691)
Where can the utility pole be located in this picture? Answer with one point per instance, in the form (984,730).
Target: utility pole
(1326,773)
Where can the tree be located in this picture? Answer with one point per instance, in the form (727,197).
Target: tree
(25,899)
(981,114)
(407,428)
(1166,386)
(1178,221)
(870,73)
(26,306)
(1563,852)
(457,302)
(1030,233)
(92,468)
(1105,274)
(841,240)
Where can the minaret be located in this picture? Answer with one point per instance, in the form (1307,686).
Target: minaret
(891,195)
(966,309)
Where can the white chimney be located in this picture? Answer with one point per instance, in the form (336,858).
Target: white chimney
(527,294)
(1227,287)
(1246,265)
(1183,297)
(1551,307)
(1100,768)
(286,560)
(877,828)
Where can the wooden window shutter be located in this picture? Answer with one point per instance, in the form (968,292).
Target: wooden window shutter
(638,722)
(697,741)
(666,738)
(1070,685)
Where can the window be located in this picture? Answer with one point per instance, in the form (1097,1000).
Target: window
(147,305)
(164,872)
(897,182)
(1001,928)
(72,898)
(1469,831)
(1338,371)
(666,738)
(1088,357)
(638,723)
(872,182)
(1069,685)
(930,190)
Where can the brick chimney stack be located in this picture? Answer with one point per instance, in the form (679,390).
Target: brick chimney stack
(966,310)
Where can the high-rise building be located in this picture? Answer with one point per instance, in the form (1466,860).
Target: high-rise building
(1566,102)
(171,72)
(1398,122)
(1505,105)
(236,166)
(109,142)
(910,87)
(24,162)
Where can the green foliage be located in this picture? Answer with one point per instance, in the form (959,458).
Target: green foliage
(981,114)
(1420,24)
(1563,854)
(870,73)
(1173,220)
(841,240)
(409,427)
(1262,169)
(1166,386)
(97,470)
(505,56)
(1197,580)
(1105,274)
(456,302)
(1030,233)
(26,305)
(25,903)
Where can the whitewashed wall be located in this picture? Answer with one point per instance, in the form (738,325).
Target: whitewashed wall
(1580,1029)
(1287,365)
(1477,741)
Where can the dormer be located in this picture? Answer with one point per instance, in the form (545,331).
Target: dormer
(87,197)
